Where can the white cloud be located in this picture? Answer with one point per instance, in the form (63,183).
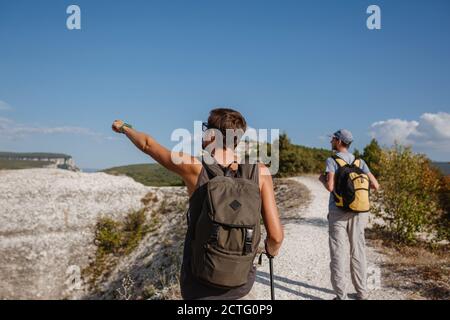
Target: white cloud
(4,106)
(438,125)
(394,130)
(430,132)
(11,130)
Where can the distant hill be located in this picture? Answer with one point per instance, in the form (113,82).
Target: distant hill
(150,174)
(39,155)
(443,166)
(27,160)
(6,164)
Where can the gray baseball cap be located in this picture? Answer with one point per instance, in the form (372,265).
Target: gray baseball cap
(343,135)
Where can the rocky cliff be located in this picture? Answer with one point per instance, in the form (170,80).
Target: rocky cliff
(48,221)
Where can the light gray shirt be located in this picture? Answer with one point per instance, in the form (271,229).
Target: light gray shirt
(332,166)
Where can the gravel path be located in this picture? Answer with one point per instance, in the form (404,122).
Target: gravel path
(302,268)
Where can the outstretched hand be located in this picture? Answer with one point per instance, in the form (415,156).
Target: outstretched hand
(117,124)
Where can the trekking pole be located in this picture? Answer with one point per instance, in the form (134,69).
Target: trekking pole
(272,289)
(272,286)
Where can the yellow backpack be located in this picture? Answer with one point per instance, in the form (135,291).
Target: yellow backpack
(352,188)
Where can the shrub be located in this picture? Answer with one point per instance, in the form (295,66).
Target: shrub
(108,236)
(409,199)
(114,239)
(444,198)
(134,229)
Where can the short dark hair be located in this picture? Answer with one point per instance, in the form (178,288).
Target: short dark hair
(226,118)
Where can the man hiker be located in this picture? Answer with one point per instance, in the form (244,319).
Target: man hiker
(227,199)
(348,180)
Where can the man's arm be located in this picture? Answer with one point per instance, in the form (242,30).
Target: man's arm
(327,180)
(373,181)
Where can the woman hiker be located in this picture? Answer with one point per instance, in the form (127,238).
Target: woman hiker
(196,280)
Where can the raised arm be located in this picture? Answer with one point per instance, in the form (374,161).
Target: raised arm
(275,234)
(186,166)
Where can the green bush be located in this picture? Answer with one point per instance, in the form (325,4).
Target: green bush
(117,238)
(409,200)
(108,236)
(112,237)
(444,198)
(134,229)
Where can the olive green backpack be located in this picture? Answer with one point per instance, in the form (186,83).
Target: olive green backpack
(227,232)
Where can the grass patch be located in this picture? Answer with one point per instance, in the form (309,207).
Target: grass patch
(115,239)
(149,242)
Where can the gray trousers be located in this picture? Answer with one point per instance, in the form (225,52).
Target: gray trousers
(348,228)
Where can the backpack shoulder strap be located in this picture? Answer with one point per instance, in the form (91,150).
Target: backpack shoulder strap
(357,163)
(250,171)
(341,163)
(213,170)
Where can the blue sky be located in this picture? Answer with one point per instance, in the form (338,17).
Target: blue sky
(305,67)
